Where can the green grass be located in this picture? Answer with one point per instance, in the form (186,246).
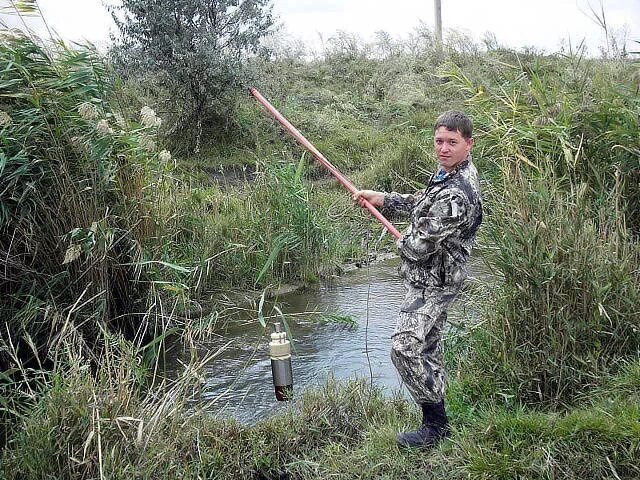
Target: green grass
(560,222)
(82,425)
(268,230)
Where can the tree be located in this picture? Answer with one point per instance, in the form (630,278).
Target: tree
(195,49)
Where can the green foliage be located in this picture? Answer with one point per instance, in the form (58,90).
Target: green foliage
(83,425)
(287,222)
(78,187)
(406,166)
(194,51)
(271,230)
(341,318)
(562,225)
(54,159)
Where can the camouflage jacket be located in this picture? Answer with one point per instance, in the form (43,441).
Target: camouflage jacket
(444,220)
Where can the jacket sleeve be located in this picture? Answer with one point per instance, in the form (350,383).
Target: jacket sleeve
(399,205)
(446,216)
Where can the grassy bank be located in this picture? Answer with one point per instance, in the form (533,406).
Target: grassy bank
(88,427)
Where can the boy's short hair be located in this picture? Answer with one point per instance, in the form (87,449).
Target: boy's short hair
(454,120)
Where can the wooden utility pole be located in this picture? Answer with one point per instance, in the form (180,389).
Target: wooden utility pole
(437,10)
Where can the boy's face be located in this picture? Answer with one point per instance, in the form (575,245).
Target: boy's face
(451,147)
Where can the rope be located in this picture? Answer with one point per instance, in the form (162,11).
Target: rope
(366,325)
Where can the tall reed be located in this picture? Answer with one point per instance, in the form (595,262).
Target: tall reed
(561,224)
(76,211)
(270,229)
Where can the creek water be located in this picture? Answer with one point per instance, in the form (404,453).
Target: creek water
(238,381)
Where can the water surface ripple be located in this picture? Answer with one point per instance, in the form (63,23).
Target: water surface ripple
(238,382)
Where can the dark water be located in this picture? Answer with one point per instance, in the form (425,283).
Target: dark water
(238,381)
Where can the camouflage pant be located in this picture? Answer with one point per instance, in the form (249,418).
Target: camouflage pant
(416,348)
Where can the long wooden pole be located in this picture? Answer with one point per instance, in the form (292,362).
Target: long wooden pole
(316,153)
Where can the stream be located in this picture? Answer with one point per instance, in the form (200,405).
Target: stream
(238,381)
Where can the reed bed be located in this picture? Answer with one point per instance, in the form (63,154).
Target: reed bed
(562,224)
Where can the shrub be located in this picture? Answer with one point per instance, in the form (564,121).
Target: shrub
(193,49)
(558,219)
(75,211)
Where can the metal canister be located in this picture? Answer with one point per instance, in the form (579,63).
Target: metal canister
(280,353)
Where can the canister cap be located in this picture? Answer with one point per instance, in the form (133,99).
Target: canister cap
(279,337)
(279,345)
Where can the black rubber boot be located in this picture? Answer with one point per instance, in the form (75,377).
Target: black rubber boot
(434,428)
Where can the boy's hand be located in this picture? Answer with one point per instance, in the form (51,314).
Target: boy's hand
(375,198)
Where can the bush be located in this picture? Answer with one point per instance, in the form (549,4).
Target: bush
(569,310)
(558,220)
(76,213)
(195,50)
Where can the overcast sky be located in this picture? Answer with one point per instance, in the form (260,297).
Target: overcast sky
(545,24)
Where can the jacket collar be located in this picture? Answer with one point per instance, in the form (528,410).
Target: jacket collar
(463,164)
